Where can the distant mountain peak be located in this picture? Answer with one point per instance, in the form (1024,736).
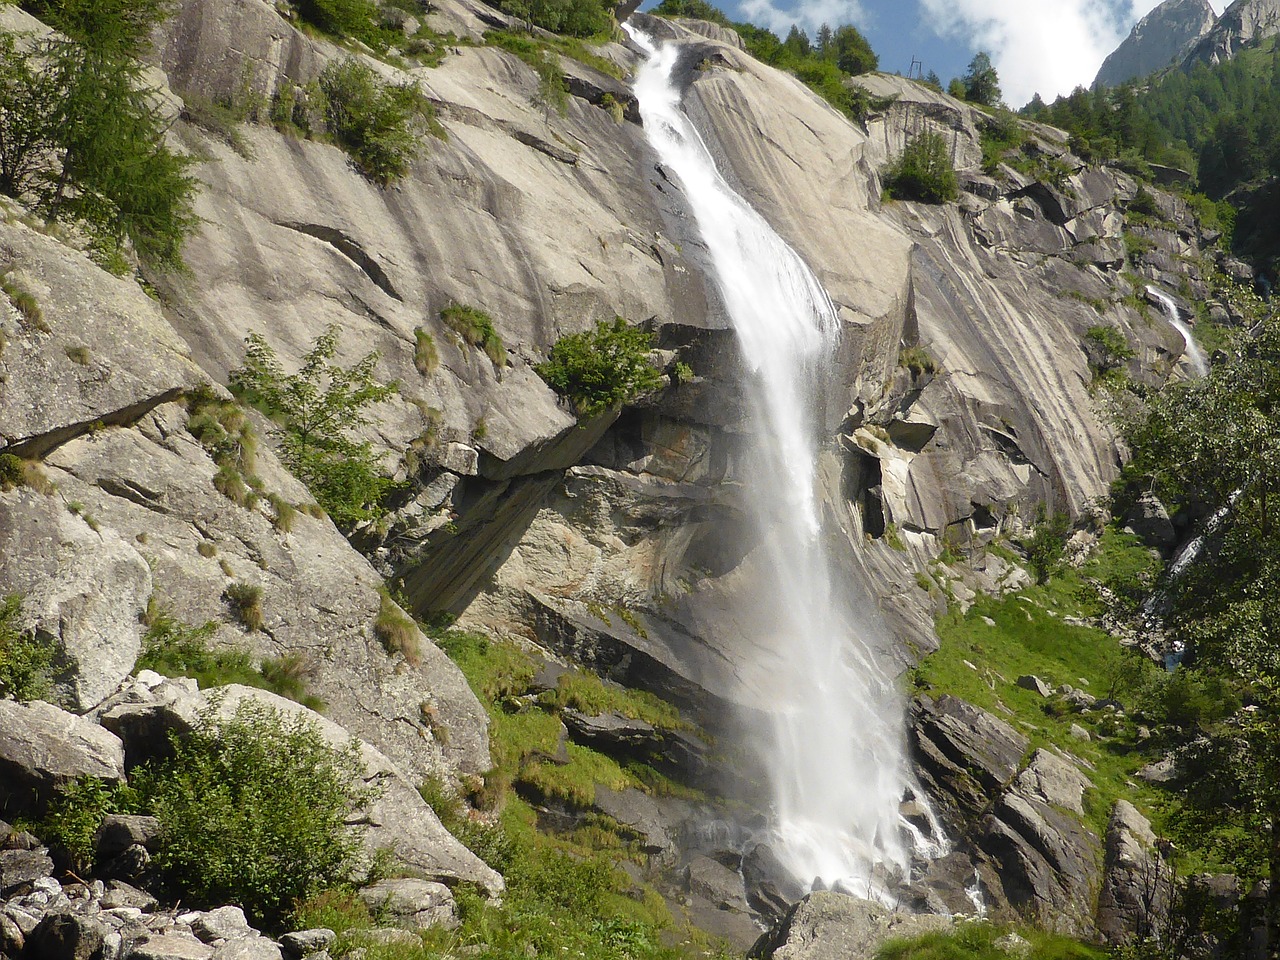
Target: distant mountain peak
(1158,39)
(1242,23)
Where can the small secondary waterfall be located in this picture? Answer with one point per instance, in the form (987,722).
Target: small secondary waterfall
(835,750)
(1198,363)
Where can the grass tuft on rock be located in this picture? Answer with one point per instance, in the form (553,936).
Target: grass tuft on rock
(395,630)
(245,600)
(476,328)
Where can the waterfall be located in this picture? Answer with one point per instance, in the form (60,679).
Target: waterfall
(834,750)
(1194,354)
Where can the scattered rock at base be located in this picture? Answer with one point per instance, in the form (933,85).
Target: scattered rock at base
(303,943)
(411,903)
(1033,683)
(20,867)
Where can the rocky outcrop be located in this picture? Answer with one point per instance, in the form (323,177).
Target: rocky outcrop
(1156,41)
(1020,819)
(1137,887)
(44,749)
(1242,23)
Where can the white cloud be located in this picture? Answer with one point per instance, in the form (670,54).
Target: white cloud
(808,15)
(1040,46)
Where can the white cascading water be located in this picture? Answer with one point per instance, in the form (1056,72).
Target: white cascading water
(1194,354)
(836,755)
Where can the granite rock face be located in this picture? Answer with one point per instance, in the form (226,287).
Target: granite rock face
(1156,41)
(1242,23)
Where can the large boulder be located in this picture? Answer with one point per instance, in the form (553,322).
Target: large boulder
(833,926)
(83,590)
(964,756)
(43,748)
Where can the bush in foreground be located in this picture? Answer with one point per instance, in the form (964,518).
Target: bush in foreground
(253,810)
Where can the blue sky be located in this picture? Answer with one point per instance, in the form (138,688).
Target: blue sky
(1049,46)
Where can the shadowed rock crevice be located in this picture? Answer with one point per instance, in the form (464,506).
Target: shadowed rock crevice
(349,248)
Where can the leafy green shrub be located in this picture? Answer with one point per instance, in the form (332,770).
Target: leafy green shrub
(316,408)
(76,813)
(1135,246)
(1144,203)
(1108,350)
(340,18)
(377,123)
(476,328)
(25,663)
(11,473)
(253,811)
(577,18)
(601,368)
(1047,545)
(923,171)
(1002,134)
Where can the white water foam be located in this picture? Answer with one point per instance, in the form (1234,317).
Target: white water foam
(1194,354)
(836,752)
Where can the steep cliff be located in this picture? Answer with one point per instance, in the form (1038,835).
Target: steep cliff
(962,401)
(1156,41)
(1242,23)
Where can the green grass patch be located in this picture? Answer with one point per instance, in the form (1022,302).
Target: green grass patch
(1029,635)
(590,694)
(978,941)
(476,328)
(566,894)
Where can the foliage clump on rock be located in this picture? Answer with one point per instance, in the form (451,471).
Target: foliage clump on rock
(475,327)
(377,123)
(603,367)
(922,172)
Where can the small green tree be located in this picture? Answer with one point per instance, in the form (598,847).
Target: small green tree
(377,123)
(852,52)
(600,368)
(113,172)
(316,409)
(981,82)
(923,171)
(1047,545)
(82,134)
(253,810)
(552,92)
(28,103)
